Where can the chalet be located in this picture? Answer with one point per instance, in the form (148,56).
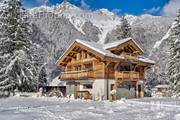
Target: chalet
(98,69)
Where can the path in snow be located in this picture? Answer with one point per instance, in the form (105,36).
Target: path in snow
(19,108)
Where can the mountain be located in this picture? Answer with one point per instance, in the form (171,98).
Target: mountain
(57,26)
(160,53)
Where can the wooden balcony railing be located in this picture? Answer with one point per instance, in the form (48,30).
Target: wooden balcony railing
(77,75)
(98,74)
(127,75)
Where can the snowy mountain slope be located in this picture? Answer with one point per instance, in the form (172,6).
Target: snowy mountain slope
(160,53)
(166,36)
(158,43)
(103,19)
(146,30)
(57,26)
(54,35)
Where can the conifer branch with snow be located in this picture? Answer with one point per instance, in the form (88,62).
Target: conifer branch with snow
(174,58)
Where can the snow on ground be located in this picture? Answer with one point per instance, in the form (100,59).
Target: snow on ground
(28,108)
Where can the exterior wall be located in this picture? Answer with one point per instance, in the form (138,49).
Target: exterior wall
(99,90)
(110,82)
(70,89)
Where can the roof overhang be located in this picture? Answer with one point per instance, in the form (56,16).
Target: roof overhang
(120,43)
(88,48)
(103,52)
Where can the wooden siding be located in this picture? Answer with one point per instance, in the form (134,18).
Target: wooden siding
(98,69)
(77,75)
(76,69)
(127,75)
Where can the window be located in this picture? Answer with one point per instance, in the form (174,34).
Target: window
(87,86)
(78,68)
(124,68)
(85,55)
(88,66)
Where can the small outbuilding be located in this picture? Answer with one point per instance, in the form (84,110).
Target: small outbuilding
(160,90)
(56,87)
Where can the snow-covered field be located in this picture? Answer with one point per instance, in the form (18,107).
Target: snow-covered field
(19,108)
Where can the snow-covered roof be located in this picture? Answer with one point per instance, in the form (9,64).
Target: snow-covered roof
(94,46)
(102,49)
(56,82)
(119,42)
(146,60)
(116,43)
(98,48)
(162,86)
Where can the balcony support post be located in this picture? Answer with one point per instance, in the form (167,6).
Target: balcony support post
(142,91)
(137,90)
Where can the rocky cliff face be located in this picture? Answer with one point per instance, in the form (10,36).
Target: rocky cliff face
(56,27)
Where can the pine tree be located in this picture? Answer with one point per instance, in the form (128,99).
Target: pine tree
(16,69)
(124,30)
(5,84)
(39,60)
(42,77)
(174,58)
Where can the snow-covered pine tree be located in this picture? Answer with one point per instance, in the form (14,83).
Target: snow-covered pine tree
(174,58)
(42,77)
(16,69)
(124,29)
(5,84)
(39,61)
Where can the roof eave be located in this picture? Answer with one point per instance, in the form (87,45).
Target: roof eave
(60,58)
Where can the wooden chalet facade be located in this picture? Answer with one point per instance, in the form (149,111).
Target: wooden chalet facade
(100,68)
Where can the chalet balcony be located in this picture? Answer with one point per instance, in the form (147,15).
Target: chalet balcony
(77,75)
(128,75)
(98,74)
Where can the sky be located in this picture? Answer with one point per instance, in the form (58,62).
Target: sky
(121,7)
